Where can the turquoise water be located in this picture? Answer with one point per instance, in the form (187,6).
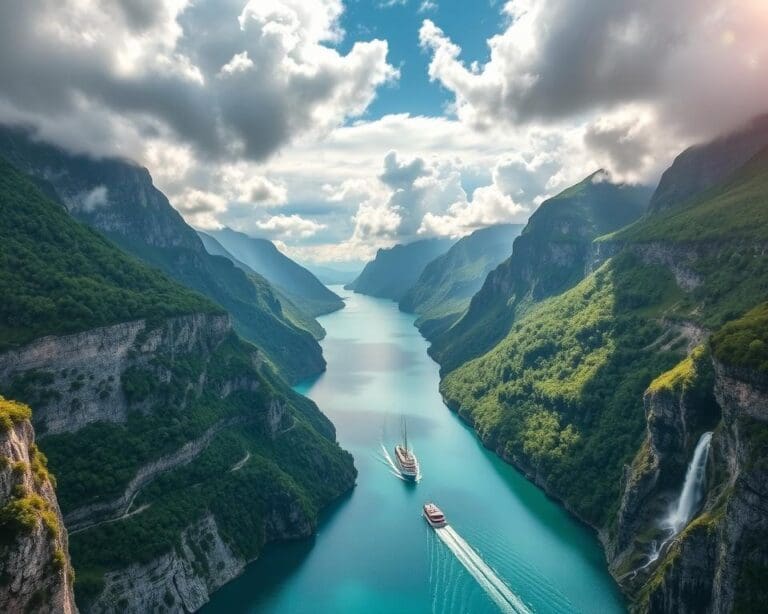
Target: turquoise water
(373,552)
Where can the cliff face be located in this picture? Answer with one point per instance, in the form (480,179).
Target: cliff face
(74,380)
(177,418)
(35,571)
(703,166)
(447,284)
(394,270)
(716,562)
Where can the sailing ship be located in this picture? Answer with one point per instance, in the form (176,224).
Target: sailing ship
(405,459)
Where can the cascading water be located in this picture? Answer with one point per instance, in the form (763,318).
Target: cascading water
(687,503)
(693,487)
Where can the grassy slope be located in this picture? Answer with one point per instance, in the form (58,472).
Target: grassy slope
(548,257)
(448,283)
(562,393)
(58,276)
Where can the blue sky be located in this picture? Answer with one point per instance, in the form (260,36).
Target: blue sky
(468,24)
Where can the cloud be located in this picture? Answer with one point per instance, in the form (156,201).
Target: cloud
(289,227)
(229,79)
(89,200)
(427,5)
(701,65)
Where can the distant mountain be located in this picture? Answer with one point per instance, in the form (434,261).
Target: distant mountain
(394,270)
(293,280)
(549,256)
(332,276)
(297,316)
(117,198)
(447,284)
(703,166)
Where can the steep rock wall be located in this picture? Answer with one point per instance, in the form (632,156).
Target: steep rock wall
(74,380)
(35,571)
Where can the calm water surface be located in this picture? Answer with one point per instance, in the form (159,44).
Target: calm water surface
(373,552)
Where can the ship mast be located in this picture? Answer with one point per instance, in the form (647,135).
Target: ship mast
(405,434)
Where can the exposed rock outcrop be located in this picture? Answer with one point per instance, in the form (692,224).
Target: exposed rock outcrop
(35,571)
(715,563)
(74,380)
(184,578)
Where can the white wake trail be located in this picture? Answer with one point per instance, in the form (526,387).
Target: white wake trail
(494,586)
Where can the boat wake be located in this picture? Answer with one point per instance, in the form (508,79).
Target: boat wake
(485,576)
(387,460)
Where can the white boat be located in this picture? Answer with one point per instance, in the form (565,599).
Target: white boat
(405,460)
(434,516)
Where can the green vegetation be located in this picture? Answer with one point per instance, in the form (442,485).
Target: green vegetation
(447,284)
(21,514)
(562,394)
(550,256)
(734,211)
(12,412)
(57,276)
(293,314)
(256,311)
(293,466)
(683,375)
(743,342)
(60,280)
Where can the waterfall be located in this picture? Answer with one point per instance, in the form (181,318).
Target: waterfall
(692,492)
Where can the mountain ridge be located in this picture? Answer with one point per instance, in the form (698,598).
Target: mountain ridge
(394,270)
(117,199)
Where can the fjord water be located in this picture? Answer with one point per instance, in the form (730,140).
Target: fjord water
(373,552)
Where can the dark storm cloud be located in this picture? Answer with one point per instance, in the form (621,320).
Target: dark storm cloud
(228,82)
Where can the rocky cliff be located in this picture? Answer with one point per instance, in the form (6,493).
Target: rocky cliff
(76,379)
(715,563)
(35,571)
(138,418)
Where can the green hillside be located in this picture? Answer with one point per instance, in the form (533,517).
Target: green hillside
(562,394)
(290,472)
(550,256)
(293,314)
(300,286)
(117,198)
(447,284)
(396,269)
(735,210)
(58,276)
